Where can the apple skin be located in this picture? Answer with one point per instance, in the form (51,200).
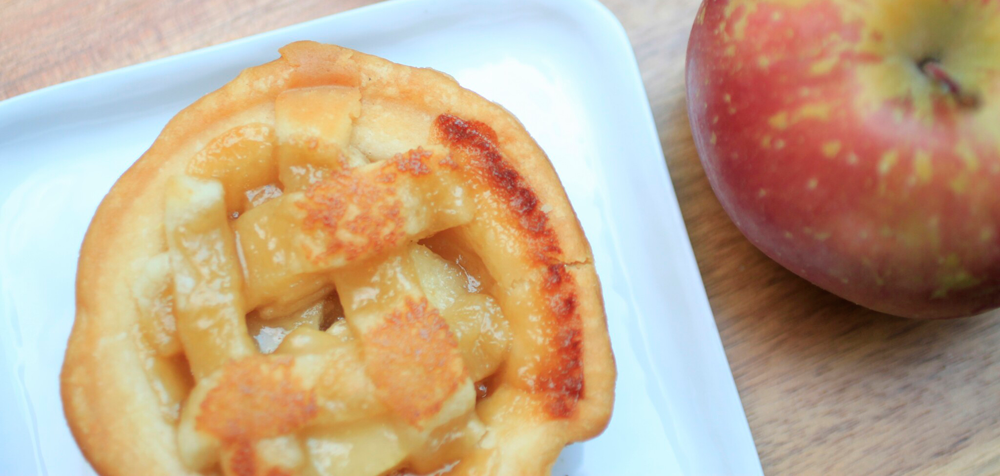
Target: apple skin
(842,159)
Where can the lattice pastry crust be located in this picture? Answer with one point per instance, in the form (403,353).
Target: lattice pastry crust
(337,265)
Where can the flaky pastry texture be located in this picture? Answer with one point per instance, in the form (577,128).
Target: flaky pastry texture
(336,264)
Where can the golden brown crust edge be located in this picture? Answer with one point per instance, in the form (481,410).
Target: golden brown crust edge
(108,403)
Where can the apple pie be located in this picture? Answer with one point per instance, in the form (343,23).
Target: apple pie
(332,265)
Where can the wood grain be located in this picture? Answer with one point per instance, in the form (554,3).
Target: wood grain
(828,387)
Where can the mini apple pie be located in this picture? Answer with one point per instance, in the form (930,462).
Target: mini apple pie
(337,265)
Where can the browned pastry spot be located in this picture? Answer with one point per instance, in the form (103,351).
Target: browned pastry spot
(374,215)
(477,144)
(257,397)
(416,354)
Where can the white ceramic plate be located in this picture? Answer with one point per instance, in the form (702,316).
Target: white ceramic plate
(564,67)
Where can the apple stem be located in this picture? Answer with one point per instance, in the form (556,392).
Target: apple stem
(932,68)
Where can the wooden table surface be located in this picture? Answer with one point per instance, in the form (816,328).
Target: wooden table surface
(828,387)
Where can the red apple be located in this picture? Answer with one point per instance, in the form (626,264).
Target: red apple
(857,143)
